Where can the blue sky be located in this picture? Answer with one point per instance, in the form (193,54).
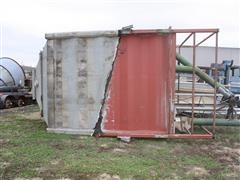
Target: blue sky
(24,23)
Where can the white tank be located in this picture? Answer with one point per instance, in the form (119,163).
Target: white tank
(11,73)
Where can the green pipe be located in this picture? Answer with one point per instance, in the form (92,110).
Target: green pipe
(199,73)
(218,122)
(182,60)
(188,68)
(183,69)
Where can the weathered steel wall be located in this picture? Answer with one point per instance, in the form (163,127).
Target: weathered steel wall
(77,69)
(140,93)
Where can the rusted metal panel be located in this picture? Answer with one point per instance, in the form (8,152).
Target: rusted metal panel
(140,94)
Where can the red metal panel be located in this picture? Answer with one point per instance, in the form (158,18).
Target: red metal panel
(141,88)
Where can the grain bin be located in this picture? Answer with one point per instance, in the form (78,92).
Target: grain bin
(111,83)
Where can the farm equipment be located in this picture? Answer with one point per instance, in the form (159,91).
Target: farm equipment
(13,91)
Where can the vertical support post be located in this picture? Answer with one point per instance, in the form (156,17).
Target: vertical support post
(41,70)
(1,45)
(215,88)
(179,51)
(1,40)
(193,80)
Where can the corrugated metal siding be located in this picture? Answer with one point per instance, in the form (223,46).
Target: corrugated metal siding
(141,89)
(77,69)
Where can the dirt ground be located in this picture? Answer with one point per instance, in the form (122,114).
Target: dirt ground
(28,151)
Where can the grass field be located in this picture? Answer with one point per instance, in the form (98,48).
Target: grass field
(29,151)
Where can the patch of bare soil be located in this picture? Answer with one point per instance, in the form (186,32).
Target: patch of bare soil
(19,110)
(106,176)
(226,153)
(198,172)
(120,148)
(41,170)
(57,146)
(33,115)
(3,142)
(104,148)
(35,178)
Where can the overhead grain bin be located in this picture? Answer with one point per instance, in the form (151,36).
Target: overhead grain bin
(111,83)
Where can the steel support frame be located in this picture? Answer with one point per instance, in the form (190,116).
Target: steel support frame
(150,134)
(171,134)
(194,32)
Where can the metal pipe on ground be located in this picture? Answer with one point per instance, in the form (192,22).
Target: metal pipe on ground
(219,122)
